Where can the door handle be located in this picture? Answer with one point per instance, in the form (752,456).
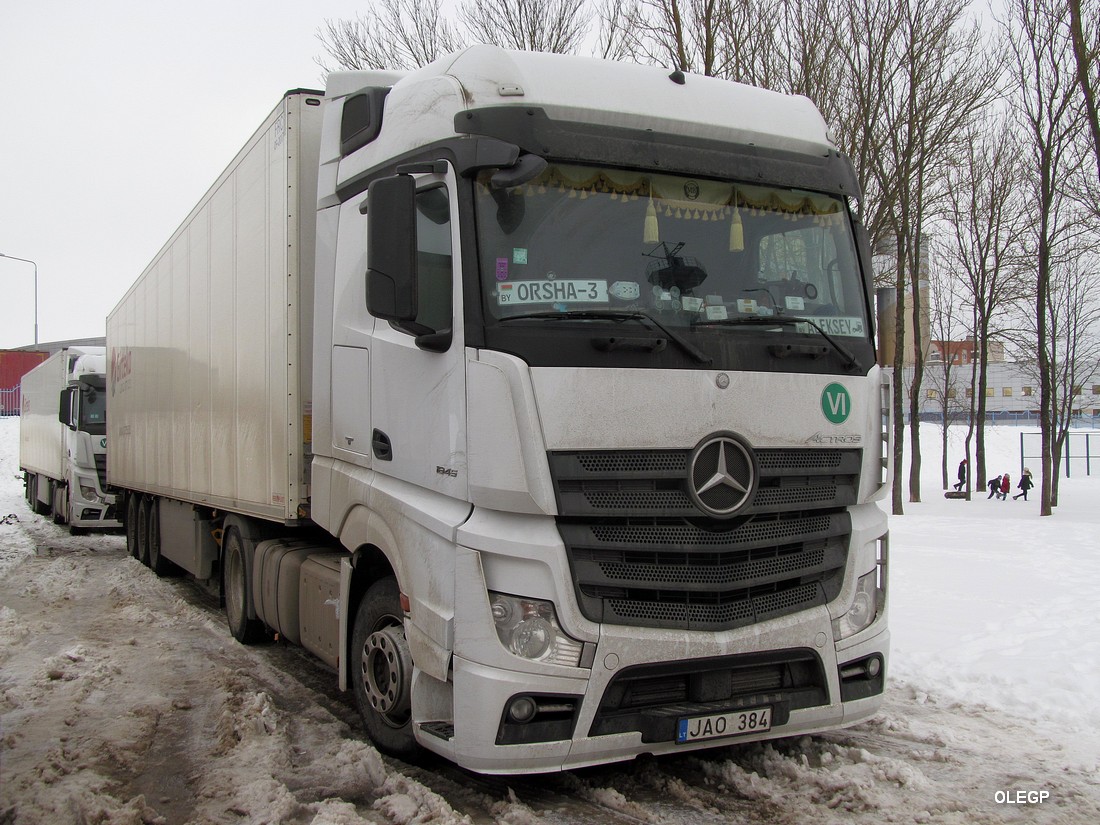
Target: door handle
(380,445)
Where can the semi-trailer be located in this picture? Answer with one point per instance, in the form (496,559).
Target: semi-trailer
(537,397)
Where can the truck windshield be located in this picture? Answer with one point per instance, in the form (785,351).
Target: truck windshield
(93,409)
(696,254)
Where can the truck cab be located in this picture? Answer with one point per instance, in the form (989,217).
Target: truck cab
(595,383)
(63,440)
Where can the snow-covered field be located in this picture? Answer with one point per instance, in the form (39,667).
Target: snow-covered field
(124,700)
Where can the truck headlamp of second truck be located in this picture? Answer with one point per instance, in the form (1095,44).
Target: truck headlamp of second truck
(87,489)
(529,629)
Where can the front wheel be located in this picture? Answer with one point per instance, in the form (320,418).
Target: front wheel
(381,670)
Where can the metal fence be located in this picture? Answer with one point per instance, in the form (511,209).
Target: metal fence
(1080,456)
(1010,419)
(9,401)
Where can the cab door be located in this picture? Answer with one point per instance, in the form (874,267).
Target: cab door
(417,374)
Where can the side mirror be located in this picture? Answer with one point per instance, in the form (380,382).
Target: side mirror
(391,249)
(65,407)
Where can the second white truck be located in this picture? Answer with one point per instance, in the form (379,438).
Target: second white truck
(63,439)
(536,396)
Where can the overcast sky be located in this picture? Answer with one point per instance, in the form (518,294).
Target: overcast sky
(119,115)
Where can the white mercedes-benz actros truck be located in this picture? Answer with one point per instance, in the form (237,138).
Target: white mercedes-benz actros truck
(63,440)
(536,396)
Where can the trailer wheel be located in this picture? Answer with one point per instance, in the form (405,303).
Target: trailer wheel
(157,563)
(143,530)
(132,502)
(235,584)
(381,670)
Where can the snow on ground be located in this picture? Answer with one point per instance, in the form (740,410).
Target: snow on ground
(124,700)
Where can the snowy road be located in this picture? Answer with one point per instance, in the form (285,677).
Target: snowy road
(123,699)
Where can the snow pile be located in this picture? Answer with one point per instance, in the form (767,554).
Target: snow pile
(123,699)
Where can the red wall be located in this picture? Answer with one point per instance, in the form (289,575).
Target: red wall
(14,364)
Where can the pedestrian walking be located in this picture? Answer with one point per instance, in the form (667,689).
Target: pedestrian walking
(1006,485)
(994,485)
(1025,484)
(962,476)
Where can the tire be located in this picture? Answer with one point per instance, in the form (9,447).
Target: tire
(59,504)
(157,563)
(236,587)
(381,669)
(143,530)
(37,506)
(133,502)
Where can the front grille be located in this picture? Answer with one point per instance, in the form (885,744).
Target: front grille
(651,699)
(643,554)
(101,469)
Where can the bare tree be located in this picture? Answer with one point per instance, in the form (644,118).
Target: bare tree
(941,77)
(395,34)
(1049,110)
(948,323)
(985,214)
(558,26)
(1072,347)
(1086,53)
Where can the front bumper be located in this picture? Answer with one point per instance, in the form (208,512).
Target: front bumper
(602,733)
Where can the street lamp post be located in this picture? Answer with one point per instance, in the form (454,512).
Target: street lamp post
(32,263)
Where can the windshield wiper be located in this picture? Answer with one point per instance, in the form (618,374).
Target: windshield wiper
(785,321)
(618,315)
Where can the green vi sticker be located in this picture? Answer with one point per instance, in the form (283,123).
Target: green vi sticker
(836,403)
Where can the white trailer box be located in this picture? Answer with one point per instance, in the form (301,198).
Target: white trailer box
(210,374)
(41,446)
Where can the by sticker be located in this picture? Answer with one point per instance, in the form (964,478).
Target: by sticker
(502,269)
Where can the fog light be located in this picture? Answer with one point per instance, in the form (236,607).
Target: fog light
(874,667)
(522,709)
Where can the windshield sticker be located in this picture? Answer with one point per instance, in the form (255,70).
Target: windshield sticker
(795,303)
(519,255)
(717,313)
(549,292)
(692,304)
(625,290)
(746,306)
(502,269)
(836,325)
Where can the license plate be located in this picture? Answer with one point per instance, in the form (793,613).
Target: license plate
(737,723)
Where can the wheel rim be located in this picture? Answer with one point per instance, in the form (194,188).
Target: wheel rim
(386,671)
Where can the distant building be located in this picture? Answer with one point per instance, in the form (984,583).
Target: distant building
(962,353)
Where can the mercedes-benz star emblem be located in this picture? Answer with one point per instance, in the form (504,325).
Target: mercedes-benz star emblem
(721,475)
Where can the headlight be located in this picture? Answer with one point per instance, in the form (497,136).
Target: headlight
(87,489)
(864,608)
(529,629)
